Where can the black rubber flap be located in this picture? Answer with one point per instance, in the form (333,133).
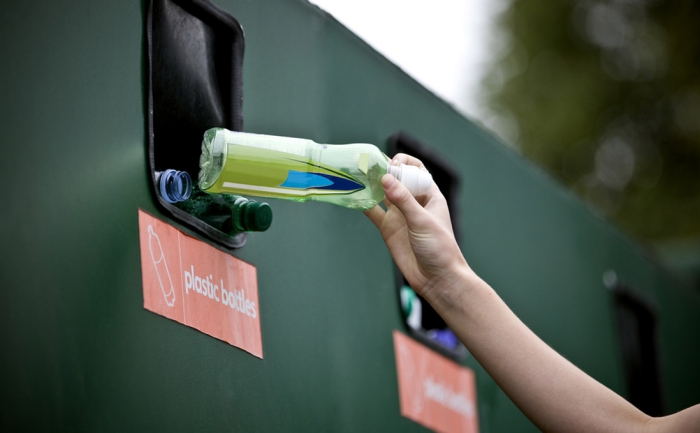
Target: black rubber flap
(195,61)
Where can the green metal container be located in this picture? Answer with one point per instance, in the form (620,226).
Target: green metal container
(79,352)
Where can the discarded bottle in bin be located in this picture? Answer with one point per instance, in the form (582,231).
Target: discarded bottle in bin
(174,186)
(300,170)
(228,213)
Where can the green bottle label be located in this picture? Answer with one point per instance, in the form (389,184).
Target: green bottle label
(257,171)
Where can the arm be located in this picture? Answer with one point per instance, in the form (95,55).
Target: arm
(548,389)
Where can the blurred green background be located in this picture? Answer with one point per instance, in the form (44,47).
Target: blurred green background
(606,96)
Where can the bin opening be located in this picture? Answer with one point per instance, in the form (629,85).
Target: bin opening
(194,82)
(421,320)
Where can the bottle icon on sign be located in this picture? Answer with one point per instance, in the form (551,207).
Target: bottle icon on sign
(166,283)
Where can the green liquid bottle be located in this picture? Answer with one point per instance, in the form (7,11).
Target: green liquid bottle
(296,169)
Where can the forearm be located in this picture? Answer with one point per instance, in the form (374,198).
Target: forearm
(687,420)
(551,391)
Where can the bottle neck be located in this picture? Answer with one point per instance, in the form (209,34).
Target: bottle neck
(213,157)
(418,181)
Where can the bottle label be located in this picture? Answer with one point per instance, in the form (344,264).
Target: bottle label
(363,165)
(259,171)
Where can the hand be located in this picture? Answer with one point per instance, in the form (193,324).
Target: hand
(550,390)
(418,233)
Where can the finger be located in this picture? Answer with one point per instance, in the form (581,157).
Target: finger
(400,197)
(402,158)
(433,194)
(376,215)
(435,191)
(386,203)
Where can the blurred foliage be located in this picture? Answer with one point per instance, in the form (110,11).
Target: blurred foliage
(606,96)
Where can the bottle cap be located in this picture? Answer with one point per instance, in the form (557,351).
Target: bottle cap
(418,181)
(250,216)
(175,186)
(258,216)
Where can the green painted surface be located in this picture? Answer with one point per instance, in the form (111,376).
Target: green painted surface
(80,353)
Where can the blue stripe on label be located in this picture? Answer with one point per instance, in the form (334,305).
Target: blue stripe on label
(342,184)
(303,180)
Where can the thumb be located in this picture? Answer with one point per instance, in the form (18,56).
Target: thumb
(400,197)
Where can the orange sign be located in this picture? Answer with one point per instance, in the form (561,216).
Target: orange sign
(193,283)
(434,391)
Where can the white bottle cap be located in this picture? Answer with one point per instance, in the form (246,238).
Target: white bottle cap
(418,181)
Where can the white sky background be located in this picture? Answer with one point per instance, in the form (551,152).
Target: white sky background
(443,44)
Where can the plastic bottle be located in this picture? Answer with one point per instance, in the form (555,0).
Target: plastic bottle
(229,214)
(297,169)
(174,186)
(412,307)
